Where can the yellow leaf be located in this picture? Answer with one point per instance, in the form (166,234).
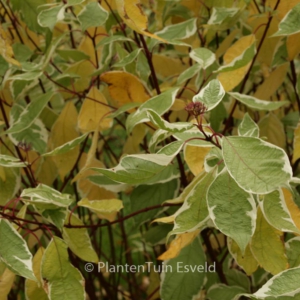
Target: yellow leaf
(85,187)
(267,246)
(293,45)
(133,15)
(194,157)
(125,87)
(178,243)
(48,171)
(226,43)
(271,127)
(231,79)
(5,48)
(104,209)
(2,174)
(169,219)
(6,281)
(178,105)
(292,207)
(246,260)
(272,83)
(296,153)
(133,141)
(167,66)
(34,290)
(63,131)
(93,112)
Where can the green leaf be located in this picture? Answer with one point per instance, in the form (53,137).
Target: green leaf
(240,61)
(128,59)
(203,57)
(78,240)
(11,162)
(212,159)
(49,17)
(29,10)
(188,73)
(258,104)
(248,127)
(157,137)
(276,212)
(224,292)
(290,24)
(160,104)
(30,114)
(179,31)
(285,283)
(92,15)
(56,216)
(151,195)
(292,247)
(45,197)
(257,166)
(193,214)
(14,251)
(211,94)
(158,121)
(61,279)
(232,210)
(183,276)
(67,146)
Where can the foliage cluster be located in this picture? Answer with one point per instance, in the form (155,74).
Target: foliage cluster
(149,133)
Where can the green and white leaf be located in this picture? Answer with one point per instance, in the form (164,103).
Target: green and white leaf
(192,137)
(67,146)
(292,247)
(221,15)
(276,212)
(92,15)
(11,162)
(257,166)
(214,159)
(248,127)
(56,217)
(29,114)
(108,184)
(78,240)
(232,210)
(61,279)
(258,104)
(177,284)
(114,38)
(157,137)
(193,214)
(141,168)
(123,109)
(36,136)
(211,95)
(160,104)
(240,61)
(158,121)
(179,31)
(102,206)
(290,24)
(49,17)
(203,57)
(285,283)
(128,59)
(14,251)
(189,73)
(224,292)
(45,197)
